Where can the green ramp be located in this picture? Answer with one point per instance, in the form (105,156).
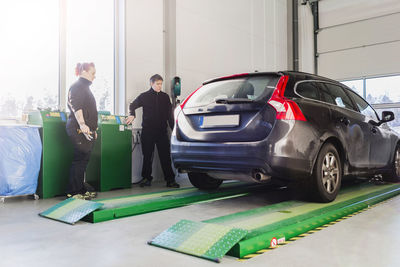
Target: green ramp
(204,240)
(138,204)
(288,219)
(71,210)
(273,224)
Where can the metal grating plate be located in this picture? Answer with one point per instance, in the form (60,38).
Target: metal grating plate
(209,241)
(71,210)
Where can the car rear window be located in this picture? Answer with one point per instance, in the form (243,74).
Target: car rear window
(256,88)
(308,90)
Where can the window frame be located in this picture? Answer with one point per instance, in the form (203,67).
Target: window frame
(119,91)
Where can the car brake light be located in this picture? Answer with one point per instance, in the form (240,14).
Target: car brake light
(285,109)
(187,98)
(233,76)
(176,113)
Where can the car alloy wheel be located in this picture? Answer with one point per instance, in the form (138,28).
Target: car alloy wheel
(330,173)
(327,175)
(397,162)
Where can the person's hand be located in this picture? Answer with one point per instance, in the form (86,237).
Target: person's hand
(85,129)
(130,119)
(88,137)
(86,132)
(95,135)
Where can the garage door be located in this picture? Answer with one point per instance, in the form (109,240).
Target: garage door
(359,38)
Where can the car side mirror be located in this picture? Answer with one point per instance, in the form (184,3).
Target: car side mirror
(387,116)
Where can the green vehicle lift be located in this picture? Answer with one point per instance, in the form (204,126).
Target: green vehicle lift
(57,152)
(120,207)
(274,224)
(110,163)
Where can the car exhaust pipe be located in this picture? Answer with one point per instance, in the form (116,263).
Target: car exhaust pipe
(255,176)
(181,170)
(261,177)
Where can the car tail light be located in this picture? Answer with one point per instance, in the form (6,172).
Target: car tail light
(177,110)
(187,98)
(285,109)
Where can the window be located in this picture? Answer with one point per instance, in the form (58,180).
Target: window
(383,90)
(29,47)
(339,96)
(364,107)
(252,88)
(308,89)
(90,38)
(30,52)
(355,85)
(383,93)
(325,94)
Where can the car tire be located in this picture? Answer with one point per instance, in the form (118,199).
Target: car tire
(327,174)
(204,181)
(394,175)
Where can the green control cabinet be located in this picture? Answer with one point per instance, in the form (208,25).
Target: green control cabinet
(57,152)
(110,164)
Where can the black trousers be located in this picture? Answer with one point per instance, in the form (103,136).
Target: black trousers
(151,138)
(82,150)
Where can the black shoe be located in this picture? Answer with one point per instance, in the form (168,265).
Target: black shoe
(173,184)
(88,187)
(145,182)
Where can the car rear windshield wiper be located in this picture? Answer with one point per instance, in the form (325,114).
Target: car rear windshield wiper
(233,100)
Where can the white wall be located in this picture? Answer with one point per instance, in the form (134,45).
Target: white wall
(144,46)
(306,39)
(217,38)
(213,38)
(359,38)
(144,57)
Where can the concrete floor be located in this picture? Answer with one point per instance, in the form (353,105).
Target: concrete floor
(368,239)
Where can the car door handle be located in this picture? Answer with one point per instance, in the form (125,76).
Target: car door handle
(344,120)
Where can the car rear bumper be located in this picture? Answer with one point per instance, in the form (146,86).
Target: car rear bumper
(271,156)
(241,157)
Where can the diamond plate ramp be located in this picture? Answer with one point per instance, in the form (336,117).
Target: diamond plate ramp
(204,240)
(292,218)
(149,202)
(71,210)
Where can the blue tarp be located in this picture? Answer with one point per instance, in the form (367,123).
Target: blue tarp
(20,157)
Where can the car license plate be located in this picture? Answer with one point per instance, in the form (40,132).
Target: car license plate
(219,121)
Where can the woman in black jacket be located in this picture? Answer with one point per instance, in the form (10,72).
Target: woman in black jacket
(81,129)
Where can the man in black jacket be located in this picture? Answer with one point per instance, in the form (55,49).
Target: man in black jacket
(157,115)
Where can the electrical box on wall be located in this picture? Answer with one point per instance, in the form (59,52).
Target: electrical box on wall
(176,86)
